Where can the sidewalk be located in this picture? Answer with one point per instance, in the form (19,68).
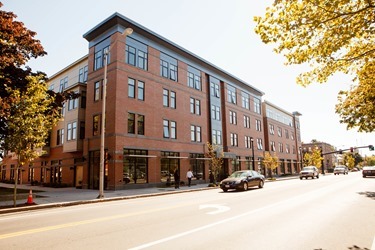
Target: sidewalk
(61,197)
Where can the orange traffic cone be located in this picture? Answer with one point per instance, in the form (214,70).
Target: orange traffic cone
(30,198)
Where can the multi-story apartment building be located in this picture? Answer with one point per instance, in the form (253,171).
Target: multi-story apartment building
(282,137)
(163,103)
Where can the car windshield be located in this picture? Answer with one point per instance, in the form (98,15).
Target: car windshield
(238,174)
(308,168)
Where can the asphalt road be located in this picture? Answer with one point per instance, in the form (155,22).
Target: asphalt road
(332,212)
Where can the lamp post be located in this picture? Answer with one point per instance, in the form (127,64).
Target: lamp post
(301,156)
(252,151)
(126,32)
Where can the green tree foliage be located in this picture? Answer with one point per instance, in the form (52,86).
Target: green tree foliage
(331,36)
(30,121)
(313,158)
(216,159)
(270,162)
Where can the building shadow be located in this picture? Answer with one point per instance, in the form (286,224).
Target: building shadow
(368,194)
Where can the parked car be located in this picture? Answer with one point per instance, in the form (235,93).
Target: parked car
(340,169)
(242,180)
(368,171)
(309,171)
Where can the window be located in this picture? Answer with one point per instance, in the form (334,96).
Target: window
(245,100)
(63,84)
(258,125)
(273,146)
(169,129)
(272,129)
(99,57)
(232,117)
(281,149)
(141,91)
(257,106)
(195,133)
(173,99)
(136,53)
(292,136)
(72,131)
(286,134)
(142,60)
(215,112)
(287,148)
(169,98)
(63,109)
(195,106)
(232,95)
(246,121)
(97,91)
(215,89)
(141,124)
(247,141)
(73,103)
(60,137)
(260,144)
(131,123)
(96,125)
(279,132)
(194,78)
(234,139)
(216,137)
(165,98)
(83,72)
(130,55)
(168,67)
(131,88)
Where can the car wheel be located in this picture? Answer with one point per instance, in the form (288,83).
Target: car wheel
(317,176)
(225,190)
(300,178)
(261,184)
(244,186)
(312,177)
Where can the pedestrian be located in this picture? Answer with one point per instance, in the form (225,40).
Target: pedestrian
(211,177)
(176,179)
(189,175)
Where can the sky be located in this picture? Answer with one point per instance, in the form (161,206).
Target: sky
(219,31)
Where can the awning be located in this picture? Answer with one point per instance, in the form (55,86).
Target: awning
(175,157)
(204,159)
(141,156)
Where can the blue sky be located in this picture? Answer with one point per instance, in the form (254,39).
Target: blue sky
(219,31)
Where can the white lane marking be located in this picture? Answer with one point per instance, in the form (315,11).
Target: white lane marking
(218,208)
(373,244)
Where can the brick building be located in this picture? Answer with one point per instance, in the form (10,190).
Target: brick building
(163,104)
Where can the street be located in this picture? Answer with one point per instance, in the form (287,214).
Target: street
(332,212)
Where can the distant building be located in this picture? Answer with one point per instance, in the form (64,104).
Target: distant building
(330,159)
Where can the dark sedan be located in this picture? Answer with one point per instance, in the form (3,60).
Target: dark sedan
(242,180)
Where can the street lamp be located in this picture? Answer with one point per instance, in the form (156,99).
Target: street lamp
(126,32)
(252,150)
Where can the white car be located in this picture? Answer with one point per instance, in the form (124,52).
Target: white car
(309,171)
(340,169)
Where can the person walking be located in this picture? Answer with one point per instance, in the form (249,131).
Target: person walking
(189,176)
(176,179)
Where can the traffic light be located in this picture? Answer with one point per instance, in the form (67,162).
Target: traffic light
(351,149)
(371,147)
(340,152)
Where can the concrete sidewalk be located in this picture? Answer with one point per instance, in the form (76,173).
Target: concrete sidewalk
(45,197)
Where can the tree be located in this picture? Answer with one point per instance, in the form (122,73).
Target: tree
(17,46)
(313,158)
(349,160)
(270,162)
(31,118)
(332,36)
(216,159)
